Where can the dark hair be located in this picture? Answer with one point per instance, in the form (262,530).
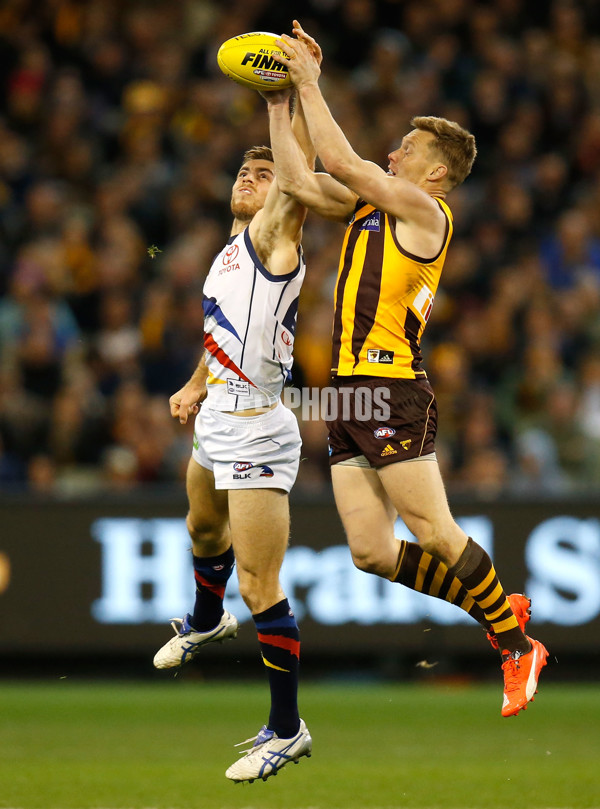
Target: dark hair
(258,153)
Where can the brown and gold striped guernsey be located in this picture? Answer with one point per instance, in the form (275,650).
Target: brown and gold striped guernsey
(383,298)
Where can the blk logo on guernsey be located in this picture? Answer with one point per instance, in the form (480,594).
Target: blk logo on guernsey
(238,387)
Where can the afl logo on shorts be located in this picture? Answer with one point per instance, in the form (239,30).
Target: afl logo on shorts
(241,466)
(384,432)
(243,470)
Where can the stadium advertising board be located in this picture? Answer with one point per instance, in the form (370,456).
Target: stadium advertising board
(108,576)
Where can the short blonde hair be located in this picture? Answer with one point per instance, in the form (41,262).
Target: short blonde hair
(455,145)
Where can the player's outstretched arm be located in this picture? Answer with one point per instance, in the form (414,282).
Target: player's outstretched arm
(370,182)
(299,124)
(331,144)
(301,133)
(186,402)
(295,177)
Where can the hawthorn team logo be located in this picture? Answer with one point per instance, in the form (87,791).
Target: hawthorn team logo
(380,355)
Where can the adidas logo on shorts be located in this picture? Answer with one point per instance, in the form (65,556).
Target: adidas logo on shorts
(388,450)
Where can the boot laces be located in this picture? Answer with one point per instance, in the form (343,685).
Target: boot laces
(511,670)
(262,736)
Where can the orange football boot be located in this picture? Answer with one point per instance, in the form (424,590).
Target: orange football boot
(521,673)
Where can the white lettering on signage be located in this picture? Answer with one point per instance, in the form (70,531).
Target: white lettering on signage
(562,555)
(336,591)
(126,569)
(563,559)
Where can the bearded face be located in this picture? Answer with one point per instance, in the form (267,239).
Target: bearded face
(244,206)
(251,188)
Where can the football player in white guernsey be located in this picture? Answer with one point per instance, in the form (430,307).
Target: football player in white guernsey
(247,449)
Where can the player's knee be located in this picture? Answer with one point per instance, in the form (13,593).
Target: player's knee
(369,562)
(439,539)
(259,590)
(428,539)
(203,531)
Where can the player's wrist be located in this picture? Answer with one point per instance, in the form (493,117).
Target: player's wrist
(195,385)
(308,86)
(277,104)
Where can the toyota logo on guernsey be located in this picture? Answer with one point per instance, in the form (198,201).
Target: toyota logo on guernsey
(229,259)
(384,432)
(231,254)
(244,470)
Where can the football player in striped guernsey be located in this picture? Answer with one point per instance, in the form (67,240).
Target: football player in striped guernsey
(399,226)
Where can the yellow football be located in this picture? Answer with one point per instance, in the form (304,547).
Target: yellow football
(248,60)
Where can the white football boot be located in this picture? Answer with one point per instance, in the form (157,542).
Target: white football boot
(187,642)
(269,754)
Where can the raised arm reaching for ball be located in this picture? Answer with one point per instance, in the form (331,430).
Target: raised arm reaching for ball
(390,266)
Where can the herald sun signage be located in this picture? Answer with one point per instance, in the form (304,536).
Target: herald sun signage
(146,576)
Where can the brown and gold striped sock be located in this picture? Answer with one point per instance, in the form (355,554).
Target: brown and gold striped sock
(424,573)
(478,576)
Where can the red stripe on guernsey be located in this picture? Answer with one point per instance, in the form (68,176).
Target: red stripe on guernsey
(216,588)
(219,354)
(292,646)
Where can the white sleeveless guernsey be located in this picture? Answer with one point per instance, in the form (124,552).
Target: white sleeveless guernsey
(249,327)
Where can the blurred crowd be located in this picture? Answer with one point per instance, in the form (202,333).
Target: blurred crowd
(119,143)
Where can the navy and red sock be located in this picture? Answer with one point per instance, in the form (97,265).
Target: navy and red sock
(279,641)
(211,574)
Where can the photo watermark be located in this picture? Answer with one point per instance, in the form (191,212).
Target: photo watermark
(358,403)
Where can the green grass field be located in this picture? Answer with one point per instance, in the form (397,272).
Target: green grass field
(75,745)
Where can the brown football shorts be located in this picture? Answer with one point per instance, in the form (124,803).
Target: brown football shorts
(386,420)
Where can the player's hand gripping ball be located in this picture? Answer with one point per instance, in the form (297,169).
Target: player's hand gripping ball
(247,60)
